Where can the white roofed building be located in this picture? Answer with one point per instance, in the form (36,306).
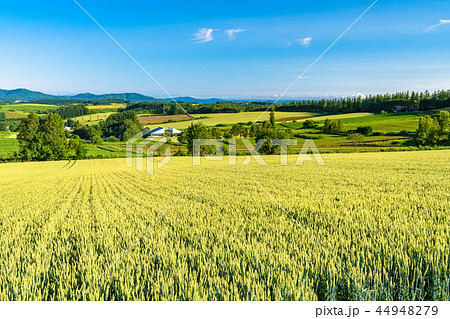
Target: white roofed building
(159,131)
(174,131)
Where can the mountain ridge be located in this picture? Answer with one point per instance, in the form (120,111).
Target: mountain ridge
(25,95)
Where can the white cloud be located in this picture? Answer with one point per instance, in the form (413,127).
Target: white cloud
(231,33)
(441,23)
(204,35)
(305,42)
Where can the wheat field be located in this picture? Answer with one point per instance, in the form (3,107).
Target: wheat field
(362,227)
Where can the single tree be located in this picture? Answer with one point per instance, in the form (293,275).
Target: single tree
(272,117)
(428,131)
(29,137)
(194,132)
(54,141)
(78,146)
(443,118)
(356,138)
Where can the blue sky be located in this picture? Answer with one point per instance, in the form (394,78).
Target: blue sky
(225,49)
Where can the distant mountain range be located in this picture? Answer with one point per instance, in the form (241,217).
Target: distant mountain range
(30,96)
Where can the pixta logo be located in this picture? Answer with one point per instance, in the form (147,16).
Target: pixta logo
(151,143)
(308,152)
(158,143)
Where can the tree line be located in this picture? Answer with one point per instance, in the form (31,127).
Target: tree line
(260,131)
(400,101)
(45,139)
(432,130)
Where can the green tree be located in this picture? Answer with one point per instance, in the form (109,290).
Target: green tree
(443,118)
(78,146)
(70,123)
(356,138)
(29,137)
(53,144)
(310,124)
(131,127)
(193,132)
(97,140)
(272,117)
(428,131)
(236,130)
(123,125)
(333,127)
(364,130)
(268,134)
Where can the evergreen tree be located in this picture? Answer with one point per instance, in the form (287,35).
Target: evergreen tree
(272,117)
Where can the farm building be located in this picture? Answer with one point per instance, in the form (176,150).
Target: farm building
(159,131)
(399,108)
(174,131)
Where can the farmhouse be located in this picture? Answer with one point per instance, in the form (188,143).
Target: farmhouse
(159,131)
(174,131)
(399,108)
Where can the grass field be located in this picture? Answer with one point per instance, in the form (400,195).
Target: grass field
(392,122)
(107,150)
(384,218)
(93,118)
(28,108)
(14,115)
(8,146)
(228,119)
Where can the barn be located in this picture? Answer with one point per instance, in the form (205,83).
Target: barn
(159,131)
(174,131)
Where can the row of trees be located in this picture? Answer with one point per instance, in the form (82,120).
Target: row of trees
(413,101)
(406,101)
(123,125)
(336,127)
(117,127)
(403,101)
(47,141)
(262,131)
(67,112)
